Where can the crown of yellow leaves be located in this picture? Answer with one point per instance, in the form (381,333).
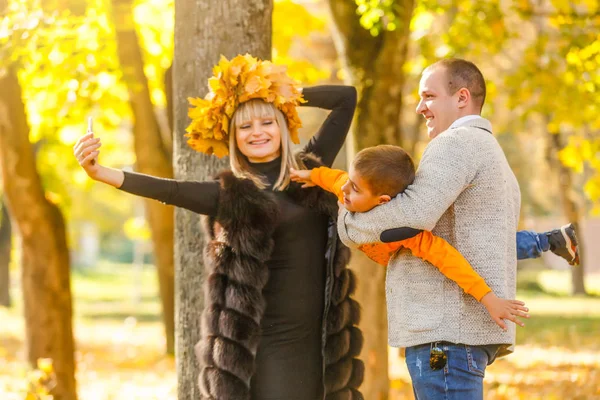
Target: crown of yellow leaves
(235,82)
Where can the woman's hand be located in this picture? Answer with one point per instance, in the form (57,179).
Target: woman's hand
(86,151)
(301,176)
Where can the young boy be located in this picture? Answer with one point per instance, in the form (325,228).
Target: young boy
(378,174)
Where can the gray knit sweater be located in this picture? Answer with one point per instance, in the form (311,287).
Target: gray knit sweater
(465,192)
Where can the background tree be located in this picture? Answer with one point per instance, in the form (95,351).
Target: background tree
(153,155)
(563,62)
(200,39)
(45,256)
(5,250)
(373,50)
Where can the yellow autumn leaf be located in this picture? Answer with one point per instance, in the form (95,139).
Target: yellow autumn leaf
(45,365)
(254,84)
(197,101)
(137,229)
(210,147)
(571,157)
(36,376)
(592,189)
(233,82)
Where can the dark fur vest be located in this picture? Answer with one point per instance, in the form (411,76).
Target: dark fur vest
(235,258)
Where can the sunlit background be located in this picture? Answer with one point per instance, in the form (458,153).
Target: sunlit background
(541,61)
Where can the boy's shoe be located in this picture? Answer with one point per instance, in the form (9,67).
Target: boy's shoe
(563,243)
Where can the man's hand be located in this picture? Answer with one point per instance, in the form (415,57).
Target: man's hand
(502,309)
(301,176)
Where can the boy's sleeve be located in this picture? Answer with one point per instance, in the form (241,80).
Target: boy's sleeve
(449,261)
(329,179)
(380,252)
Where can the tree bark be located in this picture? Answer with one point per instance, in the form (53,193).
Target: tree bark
(153,157)
(571,210)
(204,30)
(5,248)
(45,263)
(374,65)
(168,82)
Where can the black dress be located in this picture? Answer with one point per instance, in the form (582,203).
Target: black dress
(289,360)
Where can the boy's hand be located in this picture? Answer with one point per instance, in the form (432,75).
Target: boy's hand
(301,176)
(502,309)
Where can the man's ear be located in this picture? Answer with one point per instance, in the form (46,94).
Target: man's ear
(464,97)
(384,198)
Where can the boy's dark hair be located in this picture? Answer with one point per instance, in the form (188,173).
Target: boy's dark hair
(387,169)
(464,74)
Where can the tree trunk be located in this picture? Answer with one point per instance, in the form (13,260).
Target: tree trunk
(45,263)
(5,248)
(571,209)
(374,65)
(204,30)
(152,155)
(168,82)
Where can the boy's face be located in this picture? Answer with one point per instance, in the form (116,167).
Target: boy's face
(357,194)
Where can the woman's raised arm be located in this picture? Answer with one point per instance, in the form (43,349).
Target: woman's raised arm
(199,197)
(341,100)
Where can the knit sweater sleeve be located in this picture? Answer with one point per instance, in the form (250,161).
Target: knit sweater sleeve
(448,166)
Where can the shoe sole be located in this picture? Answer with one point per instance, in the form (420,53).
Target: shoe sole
(571,242)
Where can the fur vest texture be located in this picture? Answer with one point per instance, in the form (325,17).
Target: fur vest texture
(240,245)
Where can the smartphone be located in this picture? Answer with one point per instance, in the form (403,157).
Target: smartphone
(91,130)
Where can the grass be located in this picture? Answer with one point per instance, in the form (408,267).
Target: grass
(120,341)
(115,292)
(119,337)
(555,283)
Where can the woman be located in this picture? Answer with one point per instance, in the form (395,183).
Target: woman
(279,323)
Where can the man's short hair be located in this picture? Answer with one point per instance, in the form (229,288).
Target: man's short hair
(386,169)
(463,74)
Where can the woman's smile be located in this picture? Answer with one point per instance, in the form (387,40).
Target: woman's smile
(259,142)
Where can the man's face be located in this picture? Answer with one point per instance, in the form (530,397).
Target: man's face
(439,108)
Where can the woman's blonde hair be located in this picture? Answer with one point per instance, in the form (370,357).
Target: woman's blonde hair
(258,108)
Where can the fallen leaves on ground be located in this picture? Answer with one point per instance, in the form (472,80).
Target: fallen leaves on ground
(115,361)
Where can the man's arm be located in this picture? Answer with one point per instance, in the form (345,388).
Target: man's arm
(446,169)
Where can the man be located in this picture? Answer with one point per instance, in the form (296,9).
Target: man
(465,192)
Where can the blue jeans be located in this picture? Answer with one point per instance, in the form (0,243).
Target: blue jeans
(460,379)
(531,244)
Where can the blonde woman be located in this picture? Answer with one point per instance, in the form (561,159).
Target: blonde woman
(279,322)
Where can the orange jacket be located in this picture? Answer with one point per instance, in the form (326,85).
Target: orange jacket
(424,245)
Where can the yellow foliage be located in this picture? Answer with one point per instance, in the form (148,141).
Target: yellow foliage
(421,22)
(592,188)
(234,82)
(290,20)
(294,23)
(45,365)
(137,229)
(571,157)
(41,381)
